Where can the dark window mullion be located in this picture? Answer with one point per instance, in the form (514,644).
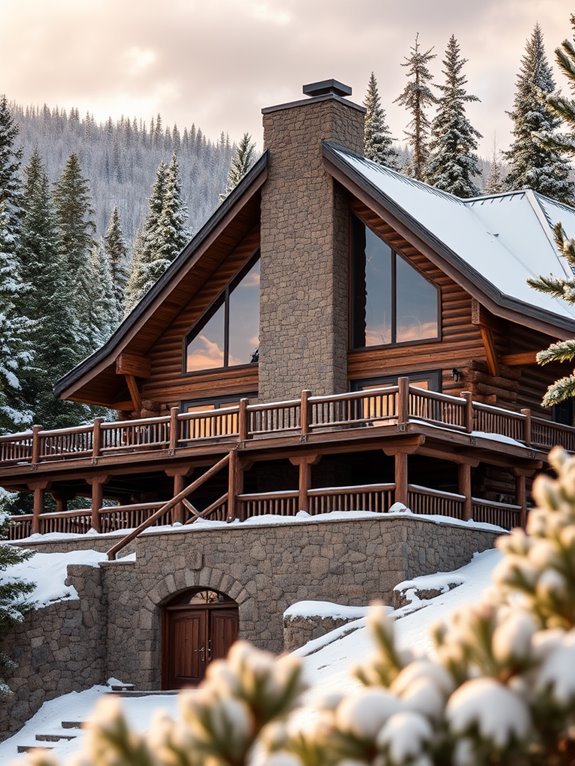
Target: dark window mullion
(227,327)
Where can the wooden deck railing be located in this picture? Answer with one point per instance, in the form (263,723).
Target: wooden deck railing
(134,519)
(393,406)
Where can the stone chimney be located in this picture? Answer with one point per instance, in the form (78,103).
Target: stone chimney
(305,245)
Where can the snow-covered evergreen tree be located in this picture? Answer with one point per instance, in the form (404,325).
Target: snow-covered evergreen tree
(453,162)
(165,233)
(494,183)
(54,331)
(10,159)
(417,97)
(95,298)
(13,602)
(377,140)
(242,160)
(531,163)
(117,254)
(15,348)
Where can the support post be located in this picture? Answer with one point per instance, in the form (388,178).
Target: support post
(521,494)
(401,477)
(467,395)
(61,502)
(235,480)
(402,404)
(38,508)
(243,420)
(464,470)
(97,484)
(178,510)
(304,463)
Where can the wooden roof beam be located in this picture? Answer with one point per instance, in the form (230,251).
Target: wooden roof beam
(480,318)
(520,359)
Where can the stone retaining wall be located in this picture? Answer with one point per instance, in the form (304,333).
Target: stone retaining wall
(57,649)
(299,630)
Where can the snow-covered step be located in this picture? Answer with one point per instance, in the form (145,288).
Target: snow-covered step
(33,748)
(143,693)
(73,724)
(55,737)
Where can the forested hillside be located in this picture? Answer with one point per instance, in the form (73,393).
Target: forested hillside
(120,159)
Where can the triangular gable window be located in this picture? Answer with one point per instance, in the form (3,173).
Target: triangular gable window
(392,301)
(228,335)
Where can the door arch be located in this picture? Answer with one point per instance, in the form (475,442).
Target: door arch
(198,625)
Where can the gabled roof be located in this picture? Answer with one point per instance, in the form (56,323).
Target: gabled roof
(495,243)
(154,310)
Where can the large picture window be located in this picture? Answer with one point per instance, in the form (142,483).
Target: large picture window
(392,302)
(229,333)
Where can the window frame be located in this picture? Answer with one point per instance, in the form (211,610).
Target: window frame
(223,298)
(355,219)
(434,377)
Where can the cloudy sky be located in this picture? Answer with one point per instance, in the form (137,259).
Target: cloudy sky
(218,62)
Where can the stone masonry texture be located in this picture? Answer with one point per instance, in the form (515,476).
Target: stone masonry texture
(304,251)
(115,627)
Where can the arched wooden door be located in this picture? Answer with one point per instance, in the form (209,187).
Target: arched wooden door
(198,626)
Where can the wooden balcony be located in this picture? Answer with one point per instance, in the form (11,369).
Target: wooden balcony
(392,407)
(387,418)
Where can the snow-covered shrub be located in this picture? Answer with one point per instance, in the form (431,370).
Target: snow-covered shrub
(499,690)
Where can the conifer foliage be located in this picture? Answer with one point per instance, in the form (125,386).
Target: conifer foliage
(563,107)
(117,254)
(417,97)
(377,140)
(242,160)
(534,164)
(498,691)
(453,163)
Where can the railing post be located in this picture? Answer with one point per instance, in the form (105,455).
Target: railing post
(234,480)
(401,477)
(521,497)
(38,507)
(402,406)
(243,420)
(467,395)
(174,428)
(97,438)
(305,413)
(97,484)
(36,444)
(527,426)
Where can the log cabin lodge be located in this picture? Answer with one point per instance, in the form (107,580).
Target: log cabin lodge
(336,337)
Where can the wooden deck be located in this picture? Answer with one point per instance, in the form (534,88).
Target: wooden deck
(376,414)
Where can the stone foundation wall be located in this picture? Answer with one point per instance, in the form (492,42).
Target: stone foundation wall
(57,649)
(299,630)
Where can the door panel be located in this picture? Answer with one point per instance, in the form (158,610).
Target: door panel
(187,646)
(224,626)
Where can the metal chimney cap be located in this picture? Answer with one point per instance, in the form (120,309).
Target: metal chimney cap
(326,87)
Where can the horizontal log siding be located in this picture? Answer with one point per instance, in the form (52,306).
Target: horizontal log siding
(460,339)
(168,384)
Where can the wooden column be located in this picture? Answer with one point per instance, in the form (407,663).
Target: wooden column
(61,501)
(401,477)
(305,463)
(38,508)
(402,404)
(235,483)
(521,496)
(464,470)
(97,483)
(178,473)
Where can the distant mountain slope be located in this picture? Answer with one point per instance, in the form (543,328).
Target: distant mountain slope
(121,159)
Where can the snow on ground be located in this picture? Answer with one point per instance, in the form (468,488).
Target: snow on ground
(325,609)
(327,660)
(77,706)
(48,572)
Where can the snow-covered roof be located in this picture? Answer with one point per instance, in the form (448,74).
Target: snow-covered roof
(500,239)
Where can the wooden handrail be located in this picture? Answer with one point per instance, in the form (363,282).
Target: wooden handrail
(111,554)
(358,488)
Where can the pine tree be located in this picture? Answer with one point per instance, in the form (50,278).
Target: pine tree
(13,602)
(453,163)
(15,348)
(117,254)
(165,233)
(54,330)
(533,164)
(10,159)
(417,97)
(494,183)
(377,140)
(242,160)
